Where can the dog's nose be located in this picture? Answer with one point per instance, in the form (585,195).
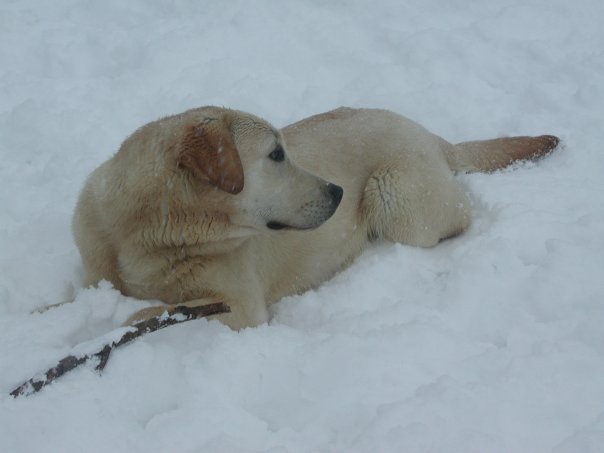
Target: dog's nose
(335,192)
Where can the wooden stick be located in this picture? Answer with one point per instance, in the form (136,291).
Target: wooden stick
(173,315)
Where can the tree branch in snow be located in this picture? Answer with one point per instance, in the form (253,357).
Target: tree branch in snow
(176,315)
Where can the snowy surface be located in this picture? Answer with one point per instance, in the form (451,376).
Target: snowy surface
(491,342)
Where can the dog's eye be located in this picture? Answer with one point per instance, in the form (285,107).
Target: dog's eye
(278,155)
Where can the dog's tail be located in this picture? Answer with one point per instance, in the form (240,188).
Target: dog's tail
(491,155)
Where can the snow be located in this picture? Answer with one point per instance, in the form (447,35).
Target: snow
(492,341)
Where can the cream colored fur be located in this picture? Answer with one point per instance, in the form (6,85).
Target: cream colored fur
(183,212)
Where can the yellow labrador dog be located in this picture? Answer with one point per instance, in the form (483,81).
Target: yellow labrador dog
(218,205)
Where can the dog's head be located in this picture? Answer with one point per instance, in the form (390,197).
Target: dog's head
(245,157)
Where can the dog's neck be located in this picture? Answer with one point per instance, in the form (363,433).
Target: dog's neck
(191,235)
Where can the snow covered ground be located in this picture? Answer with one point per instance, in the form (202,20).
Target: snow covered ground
(490,342)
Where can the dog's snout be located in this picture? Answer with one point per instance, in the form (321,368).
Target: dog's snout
(335,192)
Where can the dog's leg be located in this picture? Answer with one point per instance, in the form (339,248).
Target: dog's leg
(418,208)
(240,316)
(98,256)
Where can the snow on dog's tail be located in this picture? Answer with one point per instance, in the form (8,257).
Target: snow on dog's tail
(491,155)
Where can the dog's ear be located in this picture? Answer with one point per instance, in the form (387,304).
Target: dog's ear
(207,150)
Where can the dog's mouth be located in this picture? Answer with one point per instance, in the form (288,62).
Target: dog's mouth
(275,226)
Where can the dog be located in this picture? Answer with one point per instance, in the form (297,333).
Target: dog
(216,204)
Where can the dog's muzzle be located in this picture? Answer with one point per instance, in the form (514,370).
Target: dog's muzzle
(333,196)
